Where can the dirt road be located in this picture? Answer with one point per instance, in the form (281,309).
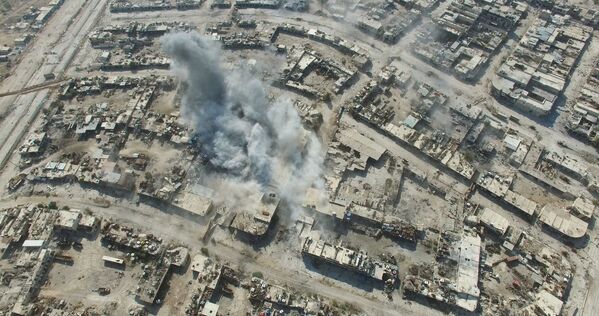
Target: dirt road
(60,41)
(188,232)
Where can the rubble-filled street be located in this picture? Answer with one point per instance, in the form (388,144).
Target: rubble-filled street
(297,157)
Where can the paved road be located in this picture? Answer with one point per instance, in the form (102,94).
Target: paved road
(448,84)
(591,302)
(64,38)
(379,52)
(188,232)
(60,40)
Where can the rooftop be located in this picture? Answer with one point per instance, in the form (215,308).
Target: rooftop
(257,214)
(557,218)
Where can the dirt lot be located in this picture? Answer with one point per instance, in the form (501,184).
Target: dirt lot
(418,205)
(79,282)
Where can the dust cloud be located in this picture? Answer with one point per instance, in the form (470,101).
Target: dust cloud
(250,142)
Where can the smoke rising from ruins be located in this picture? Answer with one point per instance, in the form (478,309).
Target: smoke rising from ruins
(252,142)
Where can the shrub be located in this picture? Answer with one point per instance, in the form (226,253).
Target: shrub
(258,275)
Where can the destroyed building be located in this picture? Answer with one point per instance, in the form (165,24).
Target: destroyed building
(583,119)
(358,55)
(352,260)
(119,6)
(256,217)
(454,280)
(28,250)
(152,279)
(486,211)
(471,34)
(301,62)
(387,21)
(536,73)
(127,238)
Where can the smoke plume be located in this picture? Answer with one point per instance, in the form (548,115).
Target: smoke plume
(249,140)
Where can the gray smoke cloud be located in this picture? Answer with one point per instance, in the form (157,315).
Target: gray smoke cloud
(253,142)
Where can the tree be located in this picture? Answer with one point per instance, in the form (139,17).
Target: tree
(258,275)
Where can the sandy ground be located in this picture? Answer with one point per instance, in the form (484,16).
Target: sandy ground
(162,157)
(61,38)
(281,261)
